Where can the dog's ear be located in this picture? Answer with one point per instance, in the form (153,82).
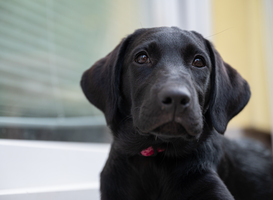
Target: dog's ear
(100,83)
(229,91)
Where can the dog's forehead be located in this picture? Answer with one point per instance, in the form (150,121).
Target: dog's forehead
(168,37)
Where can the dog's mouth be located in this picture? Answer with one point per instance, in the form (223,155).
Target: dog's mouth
(175,128)
(170,129)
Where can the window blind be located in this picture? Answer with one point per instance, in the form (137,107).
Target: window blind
(44,48)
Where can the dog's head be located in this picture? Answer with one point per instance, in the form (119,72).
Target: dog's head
(165,82)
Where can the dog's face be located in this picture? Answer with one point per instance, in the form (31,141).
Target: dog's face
(165,82)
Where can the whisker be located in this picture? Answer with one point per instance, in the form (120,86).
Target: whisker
(219,32)
(126,118)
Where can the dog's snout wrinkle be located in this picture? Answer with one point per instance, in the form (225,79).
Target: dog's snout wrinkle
(174,98)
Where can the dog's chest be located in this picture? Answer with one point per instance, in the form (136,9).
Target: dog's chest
(151,179)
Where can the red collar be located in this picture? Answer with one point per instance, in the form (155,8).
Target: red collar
(150,151)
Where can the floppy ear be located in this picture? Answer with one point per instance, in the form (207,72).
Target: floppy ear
(229,92)
(100,83)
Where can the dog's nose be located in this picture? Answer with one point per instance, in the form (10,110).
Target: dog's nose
(174,98)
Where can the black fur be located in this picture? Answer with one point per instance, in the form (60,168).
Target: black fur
(171,103)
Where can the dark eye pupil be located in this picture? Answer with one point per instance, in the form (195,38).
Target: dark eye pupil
(142,59)
(198,63)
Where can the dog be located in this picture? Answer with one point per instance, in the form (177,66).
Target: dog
(167,96)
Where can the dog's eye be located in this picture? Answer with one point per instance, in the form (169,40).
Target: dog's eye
(198,62)
(142,59)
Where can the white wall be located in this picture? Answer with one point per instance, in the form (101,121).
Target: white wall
(268,15)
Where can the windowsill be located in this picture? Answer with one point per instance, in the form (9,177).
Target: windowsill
(42,169)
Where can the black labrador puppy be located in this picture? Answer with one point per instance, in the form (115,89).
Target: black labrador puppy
(168,96)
